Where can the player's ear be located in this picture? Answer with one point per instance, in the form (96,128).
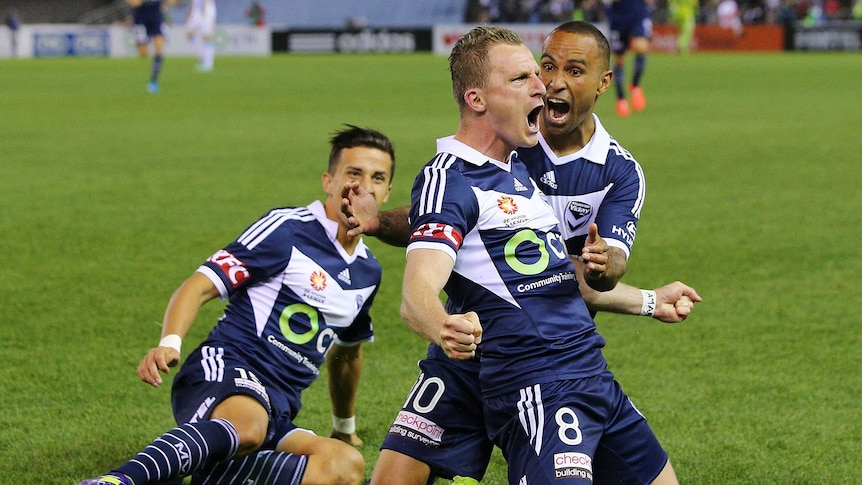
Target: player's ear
(475,100)
(605,83)
(386,196)
(326,181)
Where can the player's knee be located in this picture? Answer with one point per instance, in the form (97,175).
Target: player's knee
(341,464)
(251,437)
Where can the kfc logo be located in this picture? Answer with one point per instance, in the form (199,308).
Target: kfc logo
(231,266)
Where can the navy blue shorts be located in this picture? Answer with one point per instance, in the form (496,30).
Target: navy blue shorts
(441,422)
(148,22)
(212,374)
(572,431)
(623,29)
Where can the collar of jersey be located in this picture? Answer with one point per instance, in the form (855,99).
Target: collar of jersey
(595,151)
(331,227)
(461,150)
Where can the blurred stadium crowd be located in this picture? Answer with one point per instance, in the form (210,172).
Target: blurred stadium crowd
(307,14)
(750,11)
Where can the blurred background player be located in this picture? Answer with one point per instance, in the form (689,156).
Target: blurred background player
(13,21)
(683,13)
(631,30)
(256,14)
(200,26)
(299,293)
(149,19)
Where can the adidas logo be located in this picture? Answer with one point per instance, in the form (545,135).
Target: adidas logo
(344,275)
(549,179)
(519,187)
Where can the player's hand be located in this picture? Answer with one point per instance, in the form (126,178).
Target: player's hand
(461,336)
(595,253)
(360,208)
(157,359)
(350,439)
(675,302)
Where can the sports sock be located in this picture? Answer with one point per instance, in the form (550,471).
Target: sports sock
(208,58)
(619,76)
(181,451)
(640,64)
(157,68)
(266,467)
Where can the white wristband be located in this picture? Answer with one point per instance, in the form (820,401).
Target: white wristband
(344,425)
(649,302)
(173,341)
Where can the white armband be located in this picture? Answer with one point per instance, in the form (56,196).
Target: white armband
(649,302)
(173,341)
(344,425)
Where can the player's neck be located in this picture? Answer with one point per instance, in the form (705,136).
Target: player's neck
(485,141)
(569,142)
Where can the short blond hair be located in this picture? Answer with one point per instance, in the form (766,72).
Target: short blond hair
(469,64)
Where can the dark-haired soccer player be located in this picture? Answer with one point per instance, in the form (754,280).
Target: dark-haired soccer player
(299,291)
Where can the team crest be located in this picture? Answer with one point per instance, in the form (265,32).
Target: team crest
(578,214)
(507,205)
(318,280)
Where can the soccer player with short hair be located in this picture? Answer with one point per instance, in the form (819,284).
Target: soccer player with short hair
(299,291)
(590,179)
(631,30)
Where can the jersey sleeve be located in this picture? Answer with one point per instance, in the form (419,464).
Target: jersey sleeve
(619,212)
(443,209)
(259,253)
(361,330)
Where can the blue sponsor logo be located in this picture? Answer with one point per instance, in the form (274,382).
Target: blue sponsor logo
(61,44)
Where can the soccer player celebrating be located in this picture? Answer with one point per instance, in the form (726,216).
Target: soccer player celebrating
(299,292)
(590,178)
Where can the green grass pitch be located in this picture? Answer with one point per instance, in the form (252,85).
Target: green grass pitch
(110,197)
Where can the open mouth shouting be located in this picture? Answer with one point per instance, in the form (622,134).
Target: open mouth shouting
(533,119)
(557,110)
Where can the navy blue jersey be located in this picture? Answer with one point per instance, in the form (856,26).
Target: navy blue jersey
(511,267)
(150,11)
(600,183)
(293,291)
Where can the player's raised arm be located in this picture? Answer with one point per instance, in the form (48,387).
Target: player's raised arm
(180,314)
(364,217)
